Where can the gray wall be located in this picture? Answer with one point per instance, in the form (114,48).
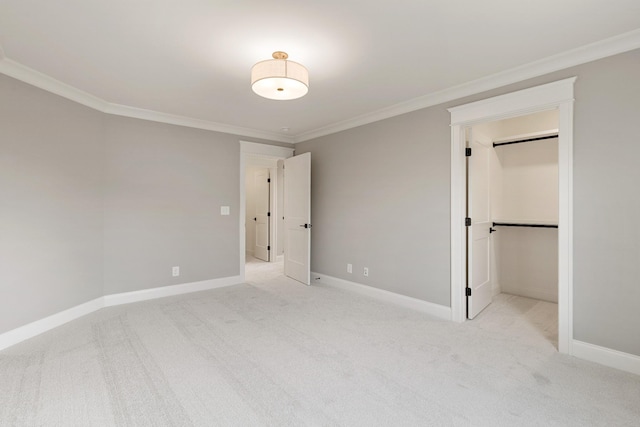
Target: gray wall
(92,204)
(164,188)
(51,176)
(607,203)
(381,199)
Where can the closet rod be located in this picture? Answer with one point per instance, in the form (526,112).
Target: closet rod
(497,144)
(511,224)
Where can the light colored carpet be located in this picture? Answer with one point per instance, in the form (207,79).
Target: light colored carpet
(257,271)
(278,353)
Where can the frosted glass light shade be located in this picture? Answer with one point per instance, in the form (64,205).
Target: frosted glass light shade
(279,79)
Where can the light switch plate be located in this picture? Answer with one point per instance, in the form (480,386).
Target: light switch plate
(224,210)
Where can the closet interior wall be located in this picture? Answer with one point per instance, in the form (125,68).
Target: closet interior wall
(524,189)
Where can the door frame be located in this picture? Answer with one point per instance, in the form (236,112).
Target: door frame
(557,95)
(264,150)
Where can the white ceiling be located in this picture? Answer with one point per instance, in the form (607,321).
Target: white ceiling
(192,58)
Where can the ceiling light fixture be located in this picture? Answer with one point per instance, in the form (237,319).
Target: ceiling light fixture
(279,78)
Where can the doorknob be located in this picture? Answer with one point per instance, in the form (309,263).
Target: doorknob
(306,225)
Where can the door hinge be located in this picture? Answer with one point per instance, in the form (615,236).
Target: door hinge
(467,222)
(468,292)
(467,152)
(268,179)
(268,248)
(268,213)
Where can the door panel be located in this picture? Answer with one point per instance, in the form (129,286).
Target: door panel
(478,235)
(297,217)
(261,186)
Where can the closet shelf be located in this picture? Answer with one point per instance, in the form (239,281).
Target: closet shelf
(524,224)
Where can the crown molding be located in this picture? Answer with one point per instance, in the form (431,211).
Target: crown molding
(40,80)
(587,53)
(591,52)
(172,119)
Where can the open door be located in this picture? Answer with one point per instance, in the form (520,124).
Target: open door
(261,218)
(479,289)
(297,218)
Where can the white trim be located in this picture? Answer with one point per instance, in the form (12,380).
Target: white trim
(168,291)
(590,52)
(606,356)
(549,295)
(565,227)
(266,150)
(246,149)
(35,78)
(581,55)
(552,95)
(156,116)
(535,99)
(40,80)
(38,327)
(458,232)
(436,310)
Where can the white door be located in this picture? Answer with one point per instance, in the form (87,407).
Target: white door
(261,218)
(297,217)
(479,289)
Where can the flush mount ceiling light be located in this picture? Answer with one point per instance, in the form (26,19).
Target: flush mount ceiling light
(279,78)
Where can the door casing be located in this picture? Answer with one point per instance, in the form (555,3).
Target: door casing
(557,95)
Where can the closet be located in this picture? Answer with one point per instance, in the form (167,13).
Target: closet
(523,198)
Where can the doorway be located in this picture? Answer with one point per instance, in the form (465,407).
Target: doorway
(261,245)
(512,205)
(557,95)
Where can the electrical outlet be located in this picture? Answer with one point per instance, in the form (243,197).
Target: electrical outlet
(175,271)
(366,272)
(349,268)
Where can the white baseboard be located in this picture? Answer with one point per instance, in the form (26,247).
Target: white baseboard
(38,327)
(532,292)
(496,289)
(32,329)
(167,291)
(436,310)
(606,356)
